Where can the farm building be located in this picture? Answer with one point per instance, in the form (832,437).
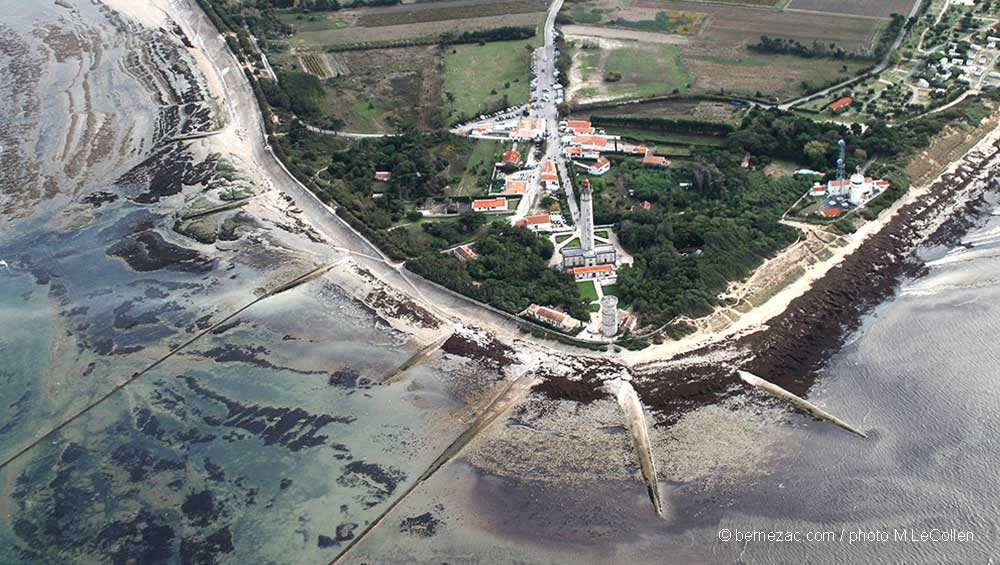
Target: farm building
(489,205)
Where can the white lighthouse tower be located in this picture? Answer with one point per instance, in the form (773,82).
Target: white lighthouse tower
(586,216)
(609,316)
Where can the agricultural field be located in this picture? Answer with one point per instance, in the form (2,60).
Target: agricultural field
(690,109)
(712,40)
(488,76)
(620,70)
(880,9)
(376,90)
(421,21)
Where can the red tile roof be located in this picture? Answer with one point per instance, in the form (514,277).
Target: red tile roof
(577,124)
(383,175)
(511,156)
(466,253)
(537,219)
(515,187)
(549,171)
(548,313)
(831,212)
(489,203)
(655,160)
(591,269)
(840,103)
(592,140)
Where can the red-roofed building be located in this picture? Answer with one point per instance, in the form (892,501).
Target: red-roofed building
(840,104)
(592,272)
(465,253)
(657,160)
(633,149)
(597,169)
(511,156)
(537,222)
(831,212)
(489,205)
(515,187)
(576,125)
(550,316)
(646,205)
(383,176)
(549,175)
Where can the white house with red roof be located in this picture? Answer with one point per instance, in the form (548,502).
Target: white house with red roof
(549,176)
(551,317)
(592,272)
(383,176)
(536,222)
(597,168)
(498,204)
(657,160)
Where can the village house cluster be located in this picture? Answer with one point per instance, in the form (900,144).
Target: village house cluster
(585,146)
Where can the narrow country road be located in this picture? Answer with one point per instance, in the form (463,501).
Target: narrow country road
(883,65)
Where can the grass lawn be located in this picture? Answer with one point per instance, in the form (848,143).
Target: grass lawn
(474,72)
(587,290)
(478,168)
(575,244)
(611,290)
(602,233)
(647,71)
(563,237)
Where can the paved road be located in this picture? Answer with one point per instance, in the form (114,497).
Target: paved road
(244,114)
(883,65)
(550,111)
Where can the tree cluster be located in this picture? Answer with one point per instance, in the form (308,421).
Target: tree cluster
(511,273)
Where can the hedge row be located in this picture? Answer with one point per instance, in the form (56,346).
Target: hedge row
(652,123)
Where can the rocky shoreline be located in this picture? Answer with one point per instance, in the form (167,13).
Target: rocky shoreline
(798,343)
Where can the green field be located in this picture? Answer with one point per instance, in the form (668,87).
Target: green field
(478,168)
(611,290)
(646,71)
(563,237)
(575,244)
(587,290)
(480,76)
(602,233)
